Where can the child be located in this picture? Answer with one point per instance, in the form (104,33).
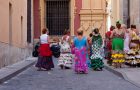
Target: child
(55,47)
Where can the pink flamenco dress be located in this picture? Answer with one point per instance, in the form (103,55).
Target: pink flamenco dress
(80,52)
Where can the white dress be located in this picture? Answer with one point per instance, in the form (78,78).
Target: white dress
(126,42)
(66,57)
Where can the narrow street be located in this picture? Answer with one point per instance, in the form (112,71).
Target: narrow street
(57,79)
(98,29)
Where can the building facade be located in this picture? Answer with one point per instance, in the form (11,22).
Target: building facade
(134,12)
(15,31)
(58,15)
(126,10)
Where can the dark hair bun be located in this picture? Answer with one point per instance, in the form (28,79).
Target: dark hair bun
(96,31)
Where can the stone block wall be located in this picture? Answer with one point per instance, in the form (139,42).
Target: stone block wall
(11,54)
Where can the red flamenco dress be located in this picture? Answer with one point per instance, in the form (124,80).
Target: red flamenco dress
(45,57)
(108,46)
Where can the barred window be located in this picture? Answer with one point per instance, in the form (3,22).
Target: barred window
(58,18)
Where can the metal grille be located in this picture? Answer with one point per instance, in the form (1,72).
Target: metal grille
(57,16)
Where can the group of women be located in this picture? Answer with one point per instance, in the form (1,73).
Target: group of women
(81,53)
(118,42)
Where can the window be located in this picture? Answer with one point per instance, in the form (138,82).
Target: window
(58,18)
(29,21)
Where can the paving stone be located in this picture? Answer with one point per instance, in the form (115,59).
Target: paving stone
(58,79)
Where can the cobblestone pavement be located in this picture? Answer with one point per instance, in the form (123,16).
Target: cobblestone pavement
(57,79)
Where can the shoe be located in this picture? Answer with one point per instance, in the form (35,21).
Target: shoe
(67,68)
(39,69)
(98,69)
(48,69)
(101,69)
(61,66)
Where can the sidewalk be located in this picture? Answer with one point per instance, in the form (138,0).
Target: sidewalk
(130,74)
(10,71)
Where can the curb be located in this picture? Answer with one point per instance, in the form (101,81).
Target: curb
(121,75)
(9,72)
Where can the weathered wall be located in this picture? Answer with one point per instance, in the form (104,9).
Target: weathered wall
(115,11)
(37,19)
(43,13)
(13,31)
(4,21)
(120,11)
(11,54)
(18,10)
